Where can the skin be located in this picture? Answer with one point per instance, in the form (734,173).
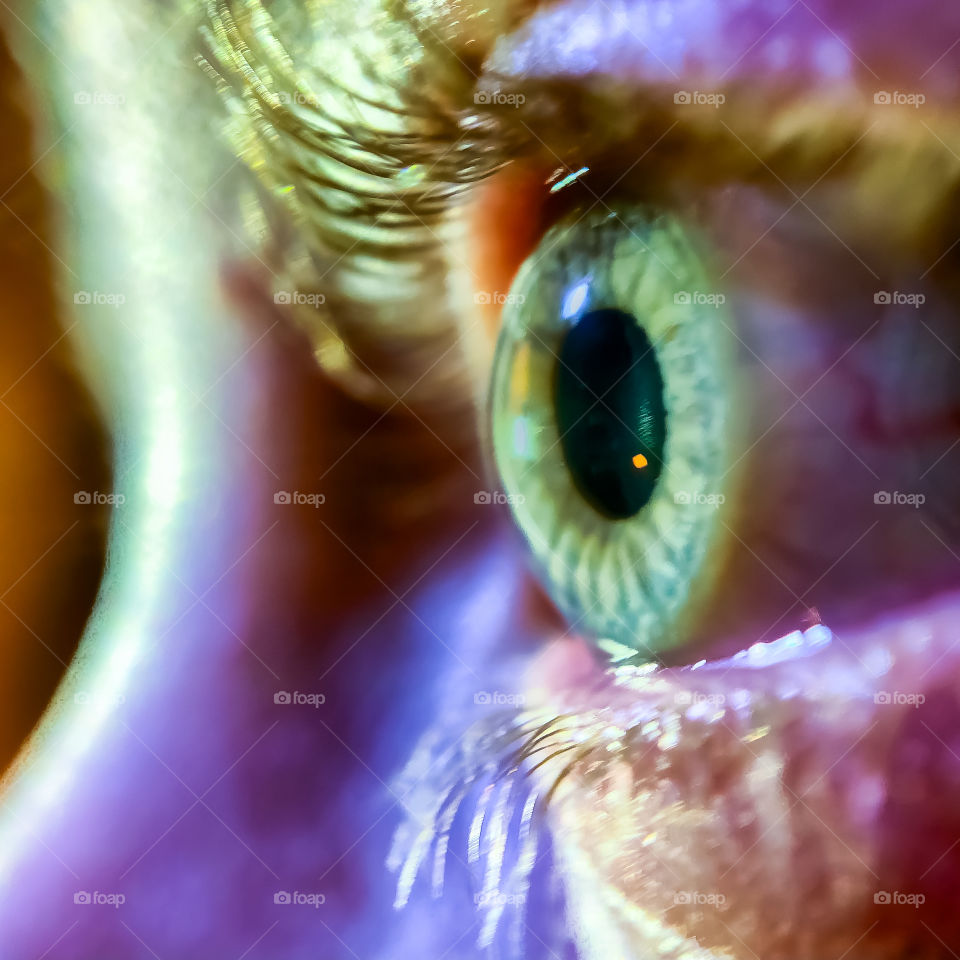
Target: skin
(764,823)
(49,537)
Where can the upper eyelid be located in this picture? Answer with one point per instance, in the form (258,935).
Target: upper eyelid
(639,133)
(597,84)
(309,128)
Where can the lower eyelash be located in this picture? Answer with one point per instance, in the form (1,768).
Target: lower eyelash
(497,781)
(482,781)
(502,775)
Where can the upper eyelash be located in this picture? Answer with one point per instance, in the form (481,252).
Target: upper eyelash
(407,177)
(388,156)
(357,180)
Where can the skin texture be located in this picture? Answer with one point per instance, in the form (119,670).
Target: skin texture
(746,809)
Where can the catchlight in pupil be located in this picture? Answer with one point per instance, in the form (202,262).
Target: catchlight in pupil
(611,418)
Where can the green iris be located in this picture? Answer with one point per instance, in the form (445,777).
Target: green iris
(605,342)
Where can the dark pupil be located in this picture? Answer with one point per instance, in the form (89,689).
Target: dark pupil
(608,397)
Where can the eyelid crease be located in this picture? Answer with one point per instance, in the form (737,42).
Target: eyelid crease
(633,135)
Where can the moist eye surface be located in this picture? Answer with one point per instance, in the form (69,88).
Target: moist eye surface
(608,397)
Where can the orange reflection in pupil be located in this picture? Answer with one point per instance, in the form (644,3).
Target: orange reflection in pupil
(639,461)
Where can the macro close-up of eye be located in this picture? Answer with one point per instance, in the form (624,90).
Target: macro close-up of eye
(481,480)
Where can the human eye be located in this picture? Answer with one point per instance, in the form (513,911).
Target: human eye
(672,285)
(786,599)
